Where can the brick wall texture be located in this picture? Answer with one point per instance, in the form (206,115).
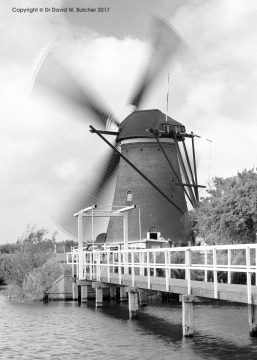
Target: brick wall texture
(156,211)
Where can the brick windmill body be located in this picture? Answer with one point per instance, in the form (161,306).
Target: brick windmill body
(155,217)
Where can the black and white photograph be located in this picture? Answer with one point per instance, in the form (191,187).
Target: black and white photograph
(128,211)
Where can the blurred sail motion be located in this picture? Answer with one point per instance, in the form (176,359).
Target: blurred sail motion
(166,43)
(98,189)
(53,76)
(56,78)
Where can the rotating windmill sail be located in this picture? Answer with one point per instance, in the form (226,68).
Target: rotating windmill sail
(144,157)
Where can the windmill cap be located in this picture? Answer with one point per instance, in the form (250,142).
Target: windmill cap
(138,123)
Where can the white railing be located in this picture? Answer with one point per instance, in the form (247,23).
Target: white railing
(205,263)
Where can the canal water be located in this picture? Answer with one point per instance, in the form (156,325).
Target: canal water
(65,330)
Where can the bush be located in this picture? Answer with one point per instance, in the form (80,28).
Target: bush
(34,285)
(27,270)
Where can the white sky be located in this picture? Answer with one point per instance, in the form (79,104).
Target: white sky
(46,148)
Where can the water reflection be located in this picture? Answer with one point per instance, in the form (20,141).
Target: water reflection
(68,331)
(165,322)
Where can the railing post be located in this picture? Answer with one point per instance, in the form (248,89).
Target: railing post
(80,244)
(215,274)
(108,264)
(148,270)
(166,271)
(169,266)
(154,261)
(85,265)
(125,261)
(112,261)
(119,266)
(132,268)
(248,276)
(256,266)
(73,265)
(188,263)
(125,238)
(205,264)
(95,265)
(91,266)
(98,266)
(229,264)
(77,265)
(141,260)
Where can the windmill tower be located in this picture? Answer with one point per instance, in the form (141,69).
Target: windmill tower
(145,155)
(157,217)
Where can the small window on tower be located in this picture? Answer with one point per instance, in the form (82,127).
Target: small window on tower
(153,234)
(129,196)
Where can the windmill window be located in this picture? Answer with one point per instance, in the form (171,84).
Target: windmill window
(129,196)
(153,234)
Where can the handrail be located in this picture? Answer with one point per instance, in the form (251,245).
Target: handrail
(146,262)
(194,248)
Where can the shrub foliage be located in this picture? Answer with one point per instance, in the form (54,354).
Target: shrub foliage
(25,265)
(229,213)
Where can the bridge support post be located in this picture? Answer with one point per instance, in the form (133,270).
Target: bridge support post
(79,293)
(98,297)
(252,319)
(187,315)
(113,292)
(133,303)
(123,293)
(99,286)
(74,290)
(83,295)
(83,290)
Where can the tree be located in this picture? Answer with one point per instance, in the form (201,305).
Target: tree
(229,213)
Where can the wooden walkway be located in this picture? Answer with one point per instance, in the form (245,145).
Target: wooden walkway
(160,269)
(227,292)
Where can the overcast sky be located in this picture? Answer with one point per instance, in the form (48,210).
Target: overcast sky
(46,148)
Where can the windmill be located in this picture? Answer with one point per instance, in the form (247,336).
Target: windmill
(145,156)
